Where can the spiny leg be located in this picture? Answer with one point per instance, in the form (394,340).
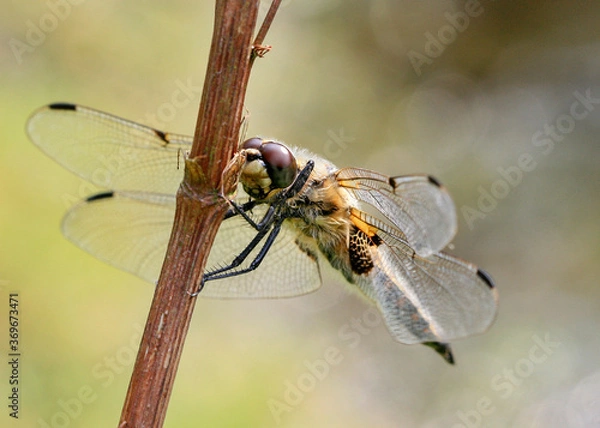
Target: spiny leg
(257,260)
(271,220)
(266,224)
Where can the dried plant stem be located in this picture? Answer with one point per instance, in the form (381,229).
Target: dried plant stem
(198,215)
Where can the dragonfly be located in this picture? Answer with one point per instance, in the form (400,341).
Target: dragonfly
(294,213)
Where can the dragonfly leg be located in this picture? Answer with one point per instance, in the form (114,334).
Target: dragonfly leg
(229,271)
(265,224)
(271,221)
(299,182)
(290,191)
(237,209)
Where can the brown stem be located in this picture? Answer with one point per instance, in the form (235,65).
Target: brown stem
(258,50)
(198,214)
(264,28)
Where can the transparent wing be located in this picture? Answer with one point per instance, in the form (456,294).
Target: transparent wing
(131,230)
(286,271)
(108,151)
(417,205)
(435,298)
(128,230)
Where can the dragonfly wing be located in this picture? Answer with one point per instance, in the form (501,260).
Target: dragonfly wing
(289,269)
(108,151)
(131,230)
(418,205)
(438,298)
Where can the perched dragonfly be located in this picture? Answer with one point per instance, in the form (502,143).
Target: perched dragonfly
(293,210)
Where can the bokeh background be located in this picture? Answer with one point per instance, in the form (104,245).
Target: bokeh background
(490,105)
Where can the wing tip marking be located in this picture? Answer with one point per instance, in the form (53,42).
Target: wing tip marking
(443,349)
(162,135)
(434,181)
(62,106)
(485,277)
(99,196)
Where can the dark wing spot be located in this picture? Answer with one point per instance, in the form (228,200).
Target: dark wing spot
(161,135)
(434,181)
(62,106)
(443,349)
(358,252)
(376,240)
(98,196)
(309,252)
(485,277)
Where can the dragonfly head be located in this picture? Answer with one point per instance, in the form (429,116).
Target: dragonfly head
(269,166)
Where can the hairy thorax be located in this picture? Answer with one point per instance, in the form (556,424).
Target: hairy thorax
(321,215)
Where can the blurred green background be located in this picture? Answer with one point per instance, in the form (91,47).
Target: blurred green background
(487,96)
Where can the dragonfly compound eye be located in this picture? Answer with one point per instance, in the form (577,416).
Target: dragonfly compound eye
(252,143)
(280,163)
